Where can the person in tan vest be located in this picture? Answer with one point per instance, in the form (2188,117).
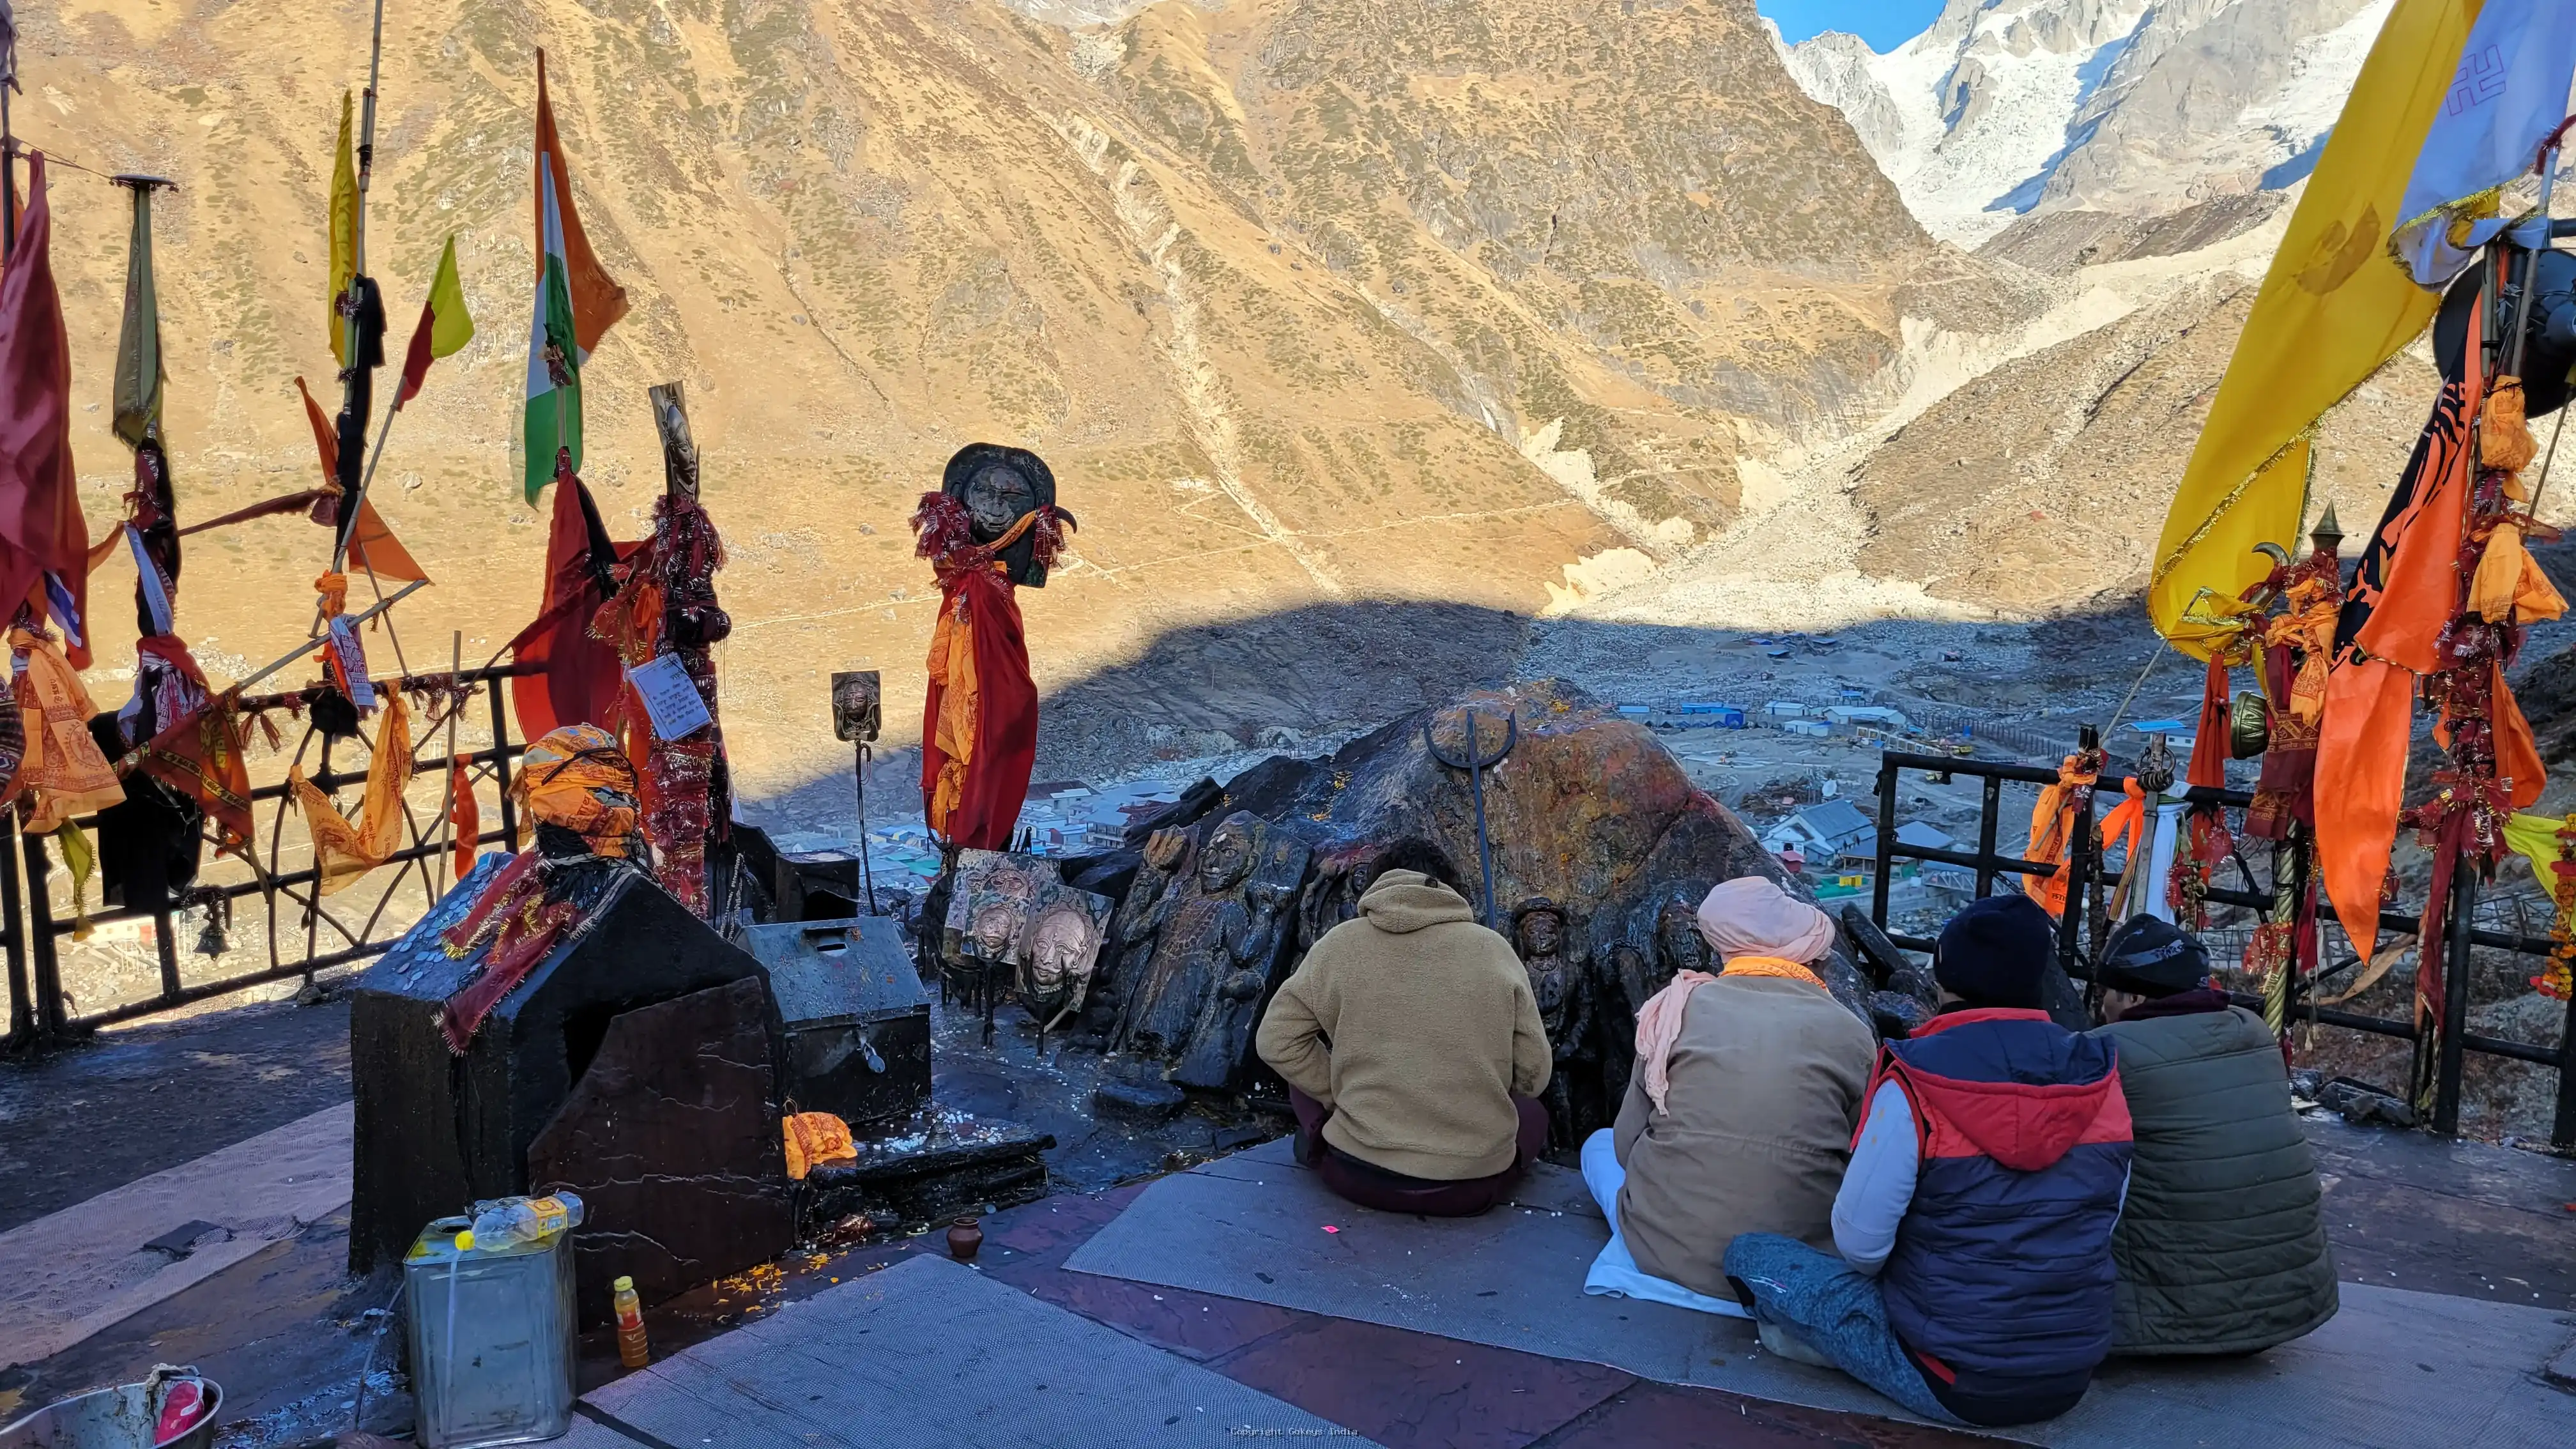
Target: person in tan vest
(1739,1116)
(1412,1048)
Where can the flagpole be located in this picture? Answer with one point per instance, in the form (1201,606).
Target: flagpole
(350,300)
(349,506)
(2523,306)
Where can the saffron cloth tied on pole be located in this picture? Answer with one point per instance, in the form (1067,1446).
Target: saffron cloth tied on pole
(2052,827)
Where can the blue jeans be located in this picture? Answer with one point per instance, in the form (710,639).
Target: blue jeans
(1835,1309)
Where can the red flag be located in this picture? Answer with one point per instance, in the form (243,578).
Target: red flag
(41,527)
(581,674)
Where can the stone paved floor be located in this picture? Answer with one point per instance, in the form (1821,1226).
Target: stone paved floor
(283,1330)
(1404,1390)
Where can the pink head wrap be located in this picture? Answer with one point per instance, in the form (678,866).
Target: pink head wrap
(1752,916)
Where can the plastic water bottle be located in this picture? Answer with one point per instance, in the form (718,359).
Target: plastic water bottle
(504,1223)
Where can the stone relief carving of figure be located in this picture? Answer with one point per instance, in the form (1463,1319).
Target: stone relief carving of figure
(1342,875)
(1565,1008)
(1136,927)
(1210,928)
(1622,971)
(1220,1047)
(1678,946)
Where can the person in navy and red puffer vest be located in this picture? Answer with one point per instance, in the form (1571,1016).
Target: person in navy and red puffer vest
(1974,1281)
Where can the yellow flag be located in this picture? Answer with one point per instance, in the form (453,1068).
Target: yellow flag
(344,232)
(2334,306)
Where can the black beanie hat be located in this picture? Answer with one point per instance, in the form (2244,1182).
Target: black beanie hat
(2149,957)
(1996,953)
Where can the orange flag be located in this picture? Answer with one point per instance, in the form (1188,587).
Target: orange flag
(372,545)
(2361,781)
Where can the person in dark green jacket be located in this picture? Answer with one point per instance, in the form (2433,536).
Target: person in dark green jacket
(2222,1248)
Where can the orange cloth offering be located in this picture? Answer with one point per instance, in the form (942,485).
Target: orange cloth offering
(817,1139)
(63,766)
(343,852)
(578,778)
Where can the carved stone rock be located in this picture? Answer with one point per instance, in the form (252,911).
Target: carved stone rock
(1202,941)
(1589,812)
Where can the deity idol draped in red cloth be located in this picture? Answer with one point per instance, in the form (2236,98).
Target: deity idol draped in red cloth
(992,526)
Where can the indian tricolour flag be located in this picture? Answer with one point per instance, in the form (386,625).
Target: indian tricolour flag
(576,302)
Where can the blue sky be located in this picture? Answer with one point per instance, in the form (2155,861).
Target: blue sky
(1883,23)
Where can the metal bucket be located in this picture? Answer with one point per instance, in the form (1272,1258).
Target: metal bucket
(118,1418)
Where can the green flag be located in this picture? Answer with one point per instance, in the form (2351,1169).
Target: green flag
(140,373)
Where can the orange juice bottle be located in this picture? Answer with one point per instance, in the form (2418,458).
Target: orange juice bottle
(631,1348)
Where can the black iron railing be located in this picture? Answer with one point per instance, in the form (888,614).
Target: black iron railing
(2084,898)
(43,1013)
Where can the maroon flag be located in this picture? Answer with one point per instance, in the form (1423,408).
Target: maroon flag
(41,528)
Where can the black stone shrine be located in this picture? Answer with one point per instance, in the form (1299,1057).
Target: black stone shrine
(435,1130)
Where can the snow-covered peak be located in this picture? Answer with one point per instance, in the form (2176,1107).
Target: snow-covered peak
(2001,107)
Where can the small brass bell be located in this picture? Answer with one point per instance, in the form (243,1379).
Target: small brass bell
(2249,726)
(210,941)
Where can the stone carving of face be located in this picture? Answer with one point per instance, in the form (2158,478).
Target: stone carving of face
(857,705)
(1063,946)
(995,498)
(1227,857)
(995,932)
(1677,938)
(1542,934)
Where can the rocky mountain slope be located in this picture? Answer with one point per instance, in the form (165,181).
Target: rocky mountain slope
(2002,108)
(1308,301)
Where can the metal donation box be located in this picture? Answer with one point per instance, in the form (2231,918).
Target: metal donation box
(857,1020)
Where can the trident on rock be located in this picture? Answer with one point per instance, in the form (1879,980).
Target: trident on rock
(1475,762)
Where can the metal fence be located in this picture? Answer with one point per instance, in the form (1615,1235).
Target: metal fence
(304,934)
(2462,931)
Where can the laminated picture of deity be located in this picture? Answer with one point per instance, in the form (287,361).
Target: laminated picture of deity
(993,903)
(1063,949)
(858,705)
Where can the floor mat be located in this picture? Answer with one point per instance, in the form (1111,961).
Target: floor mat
(2395,1369)
(931,1353)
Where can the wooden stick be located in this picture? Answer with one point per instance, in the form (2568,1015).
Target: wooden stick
(297,652)
(447,825)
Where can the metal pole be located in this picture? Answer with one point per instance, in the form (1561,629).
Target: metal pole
(1886,842)
(2070,920)
(2455,996)
(348,530)
(501,767)
(22,1009)
(2531,267)
(40,939)
(1990,810)
(867,872)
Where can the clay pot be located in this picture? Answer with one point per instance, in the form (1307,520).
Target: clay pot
(964,1237)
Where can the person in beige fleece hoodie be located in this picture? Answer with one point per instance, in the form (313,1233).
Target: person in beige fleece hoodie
(1412,1048)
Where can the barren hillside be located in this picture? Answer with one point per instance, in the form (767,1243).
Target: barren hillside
(1306,300)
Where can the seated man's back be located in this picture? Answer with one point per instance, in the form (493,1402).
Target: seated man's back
(1750,1127)
(1415,1028)
(2222,1248)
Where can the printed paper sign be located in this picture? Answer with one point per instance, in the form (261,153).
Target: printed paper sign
(671,697)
